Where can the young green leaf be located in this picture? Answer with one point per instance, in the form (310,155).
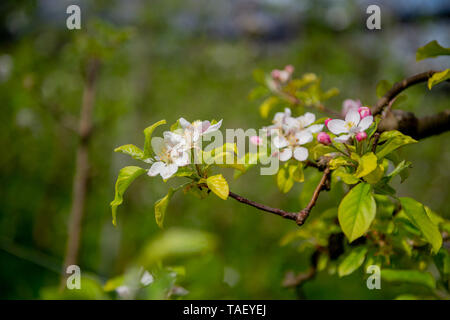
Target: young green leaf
(392,140)
(438,77)
(357,211)
(161,206)
(148,137)
(418,216)
(431,50)
(131,150)
(352,261)
(347,177)
(367,163)
(375,175)
(126,176)
(218,185)
(409,276)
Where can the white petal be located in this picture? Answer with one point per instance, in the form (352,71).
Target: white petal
(214,127)
(303,137)
(156,168)
(290,123)
(286,154)
(280,142)
(337,126)
(181,159)
(205,125)
(352,116)
(184,123)
(315,128)
(365,123)
(173,138)
(158,145)
(287,112)
(342,138)
(278,118)
(306,119)
(300,153)
(169,171)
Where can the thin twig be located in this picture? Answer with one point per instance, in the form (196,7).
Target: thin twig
(280,212)
(302,215)
(376,137)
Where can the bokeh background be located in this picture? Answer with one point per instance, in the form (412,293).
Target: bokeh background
(189,58)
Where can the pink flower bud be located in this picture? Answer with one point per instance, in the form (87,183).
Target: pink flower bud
(257,141)
(326,122)
(350,105)
(276,74)
(360,136)
(324,138)
(289,68)
(364,112)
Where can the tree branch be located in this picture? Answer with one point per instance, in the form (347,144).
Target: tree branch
(80,179)
(303,215)
(280,212)
(298,217)
(398,87)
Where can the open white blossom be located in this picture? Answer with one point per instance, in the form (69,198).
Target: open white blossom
(290,133)
(193,131)
(171,153)
(352,125)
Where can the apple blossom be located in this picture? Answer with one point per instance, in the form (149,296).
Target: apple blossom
(324,138)
(326,121)
(171,153)
(364,112)
(350,126)
(193,131)
(290,146)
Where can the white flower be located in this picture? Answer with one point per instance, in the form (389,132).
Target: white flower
(350,126)
(171,153)
(193,131)
(290,146)
(283,121)
(290,133)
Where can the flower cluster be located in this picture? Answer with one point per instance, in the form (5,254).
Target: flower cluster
(357,120)
(289,134)
(173,151)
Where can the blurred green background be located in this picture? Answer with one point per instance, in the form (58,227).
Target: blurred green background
(191,59)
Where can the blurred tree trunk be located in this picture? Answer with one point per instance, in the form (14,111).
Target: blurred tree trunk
(80,180)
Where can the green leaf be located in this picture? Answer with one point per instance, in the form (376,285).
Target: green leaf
(438,77)
(218,185)
(392,140)
(125,178)
(347,177)
(382,87)
(339,162)
(418,216)
(267,105)
(285,179)
(319,150)
(352,261)
(399,170)
(367,163)
(409,276)
(131,150)
(375,175)
(431,50)
(148,137)
(357,211)
(161,206)
(442,261)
